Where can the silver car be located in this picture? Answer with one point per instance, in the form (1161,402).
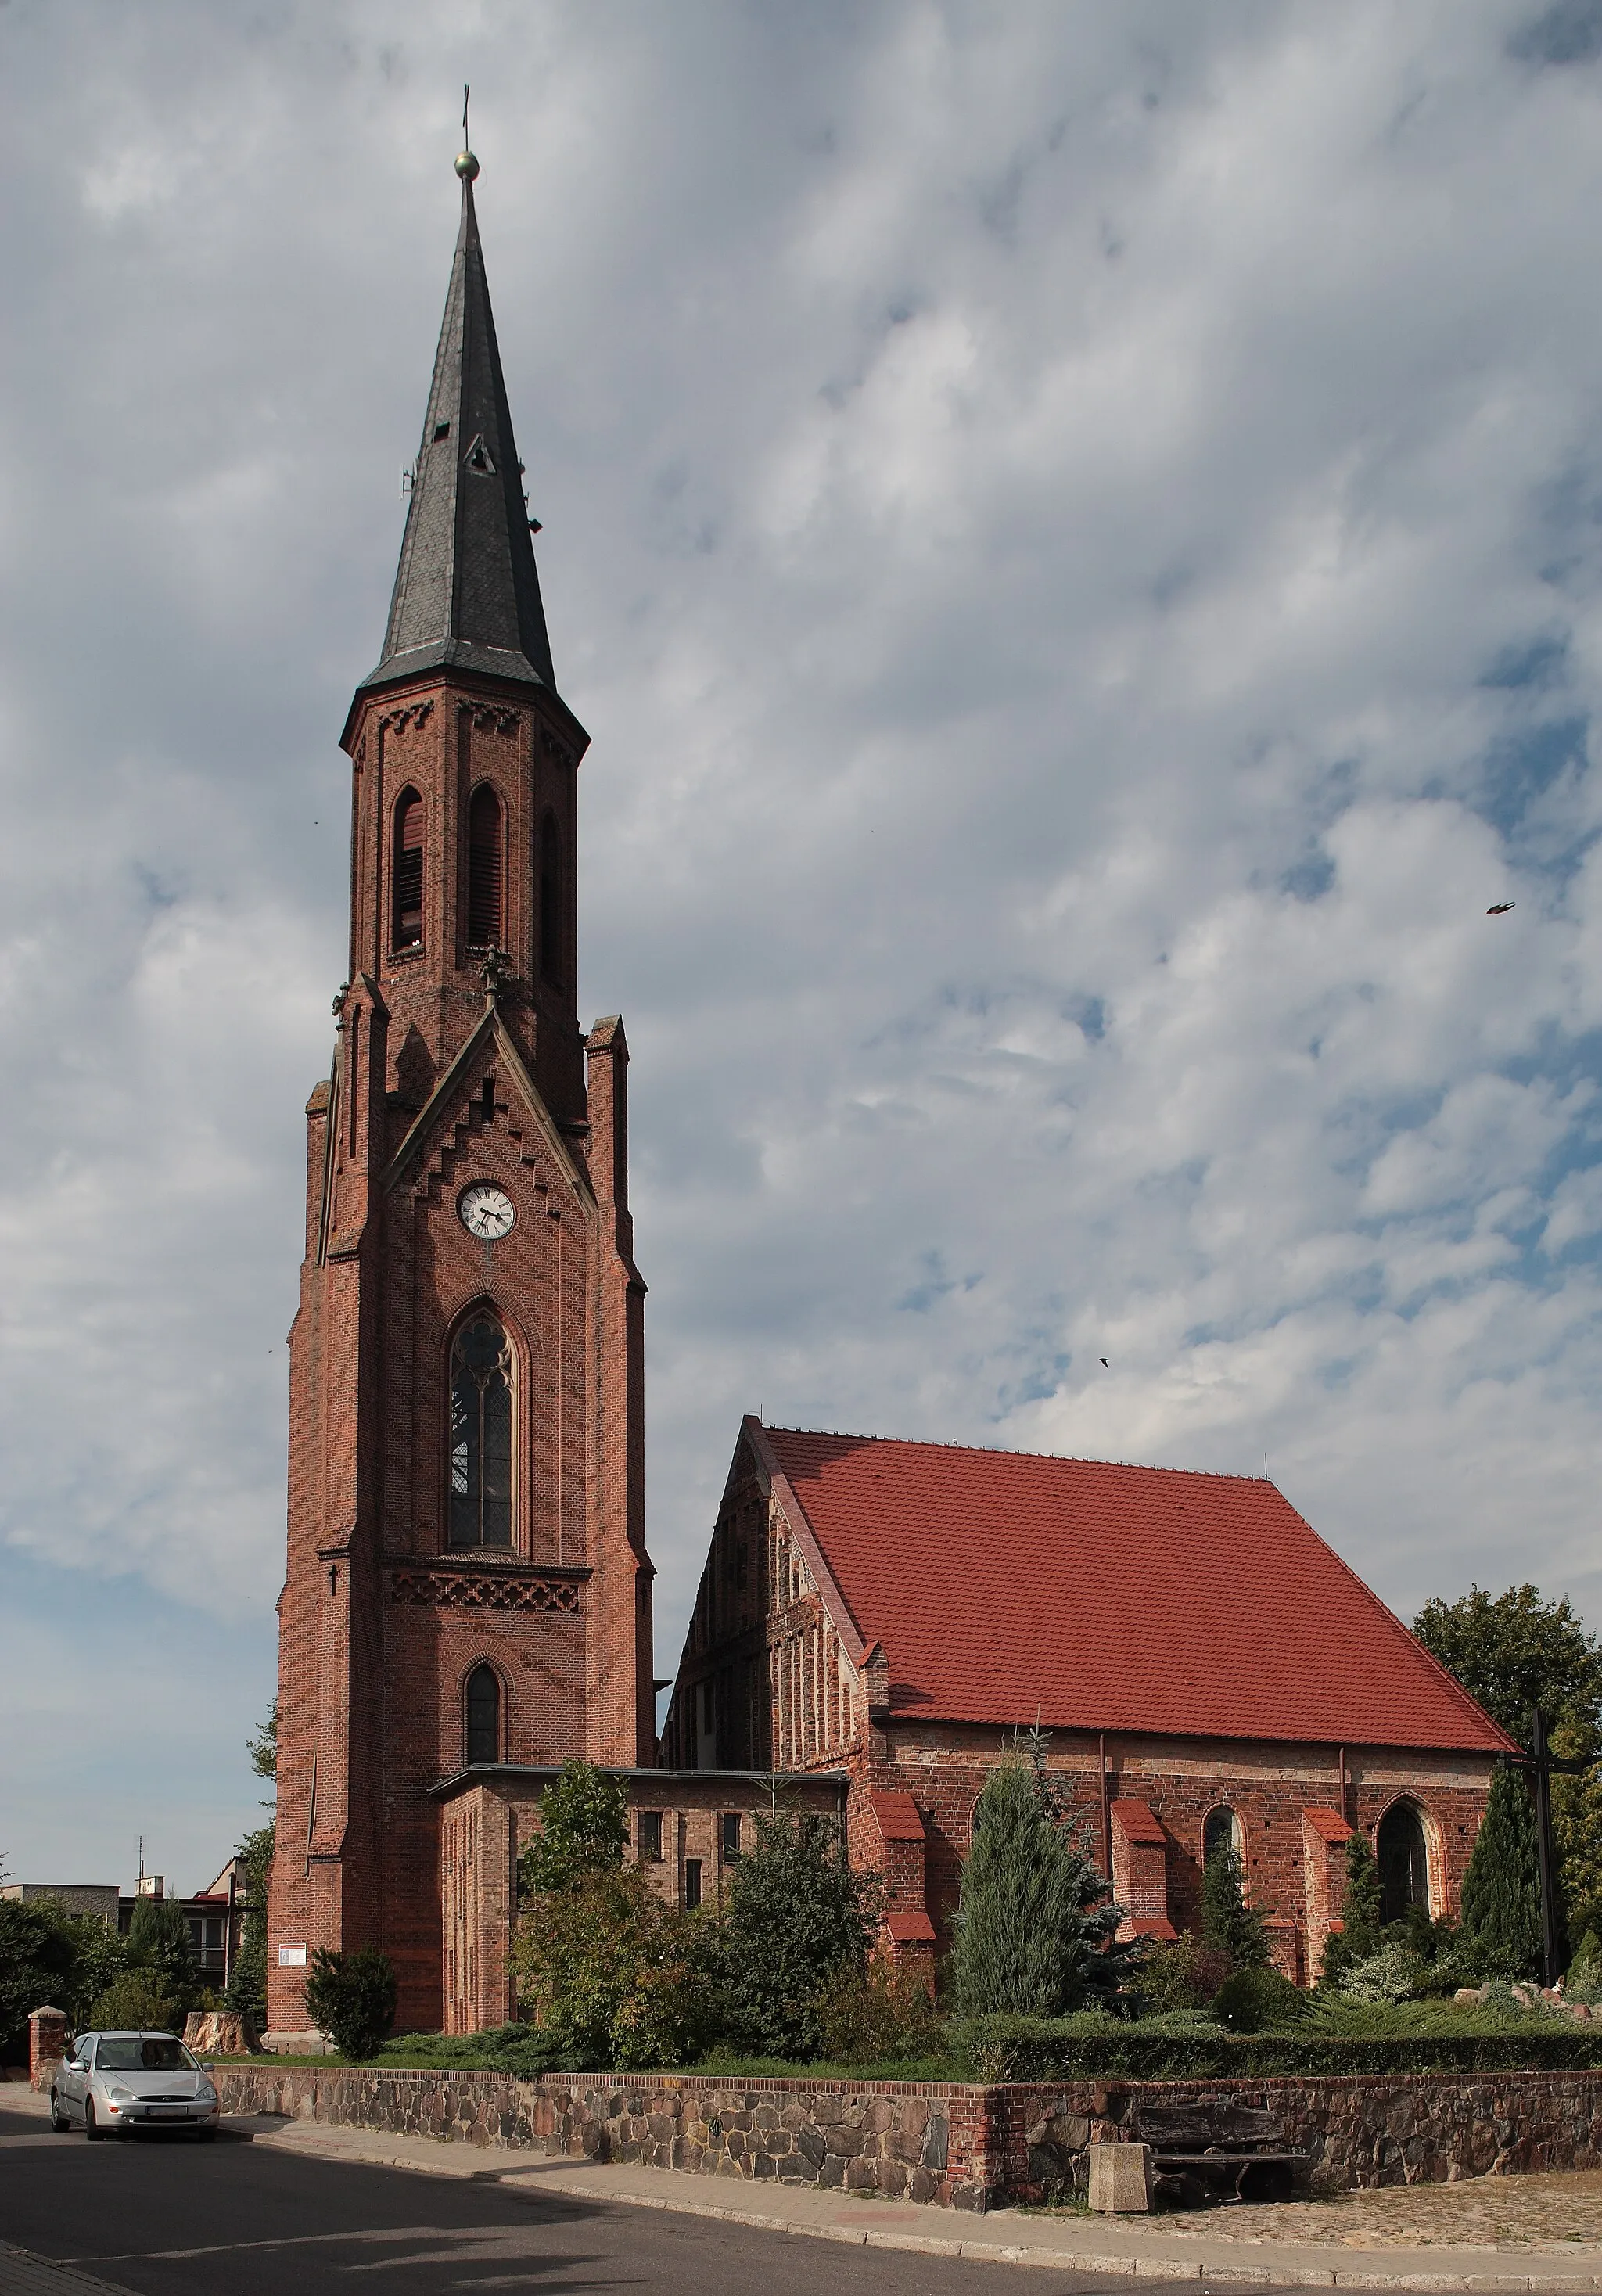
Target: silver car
(116,2081)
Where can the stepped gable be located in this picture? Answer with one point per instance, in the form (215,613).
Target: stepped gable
(1146,1599)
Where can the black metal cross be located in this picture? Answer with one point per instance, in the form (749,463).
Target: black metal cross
(1543,1766)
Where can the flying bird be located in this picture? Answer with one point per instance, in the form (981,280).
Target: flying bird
(1498,908)
(1105,1365)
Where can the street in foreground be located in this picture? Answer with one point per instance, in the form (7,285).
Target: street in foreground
(163,2216)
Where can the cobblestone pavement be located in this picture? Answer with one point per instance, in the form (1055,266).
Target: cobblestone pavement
(1561,2213)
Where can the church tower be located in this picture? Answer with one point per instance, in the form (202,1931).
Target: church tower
(467,1583)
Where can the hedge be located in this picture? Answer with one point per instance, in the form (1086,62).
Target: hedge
(1071,2048)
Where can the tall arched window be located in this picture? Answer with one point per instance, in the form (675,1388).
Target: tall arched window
(483,1715)
(481,1434)
(1403,1860)
(484,869)
(406,874)
(1220,1832)
(550,898)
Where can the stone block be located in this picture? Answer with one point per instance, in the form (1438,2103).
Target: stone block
(1120,2178)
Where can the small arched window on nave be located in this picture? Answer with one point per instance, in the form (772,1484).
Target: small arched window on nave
(1402,1856)
(484,868)
(406,873)
(481,1434)
(483,1715)
(1220,1832)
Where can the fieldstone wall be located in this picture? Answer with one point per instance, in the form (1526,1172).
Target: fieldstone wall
(1358,2129)
(953,2146)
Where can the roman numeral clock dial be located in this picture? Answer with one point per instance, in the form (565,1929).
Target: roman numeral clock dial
(486,1211)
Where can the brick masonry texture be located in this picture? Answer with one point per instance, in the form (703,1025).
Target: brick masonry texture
(945,2143)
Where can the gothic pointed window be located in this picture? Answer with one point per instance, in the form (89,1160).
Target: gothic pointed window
(406,874)
(481,1434)
(484,869)
(550,898)
(1403,1862)
(483,1715)
(1221,1834)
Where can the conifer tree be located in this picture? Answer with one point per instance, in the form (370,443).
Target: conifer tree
(1227,1923)
(1359,1935)
(1032,1935)
(1501,1889)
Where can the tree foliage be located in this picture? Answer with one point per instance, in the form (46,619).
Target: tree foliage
(1514,1652)
(794,1915)
(1229,1924)
(1034,1934)
(615,1976)
(1359,1936)
(1501,1932)
(51,1957)
(247,1977)
(583,1829)
(137,2001)
(159,1941)
(351,1997)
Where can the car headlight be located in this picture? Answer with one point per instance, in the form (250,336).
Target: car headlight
(121,2096)
(205,2094)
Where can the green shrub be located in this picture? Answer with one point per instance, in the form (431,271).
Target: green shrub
(612,1975)
(794,1912)
(136,2002)
(1229,1924)
(351,1997)
(1035,1935)
(1584,1980)
(1183,2047)
(1501,1889)
(1184,1974)
(583,1829)
(1357,1938)
(1253,2000)
(1394,1973)
(872,2016)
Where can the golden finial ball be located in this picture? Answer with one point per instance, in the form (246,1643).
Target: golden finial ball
(467,167)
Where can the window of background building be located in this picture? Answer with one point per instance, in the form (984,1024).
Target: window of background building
(692,1884)
(481,1436)
(731,1834)
(651,1836)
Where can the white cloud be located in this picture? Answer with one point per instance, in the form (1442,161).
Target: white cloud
(1075,534)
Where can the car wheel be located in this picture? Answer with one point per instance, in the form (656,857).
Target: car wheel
(58,2119)
(91,2127)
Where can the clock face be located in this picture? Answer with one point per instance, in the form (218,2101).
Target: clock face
(486,1210)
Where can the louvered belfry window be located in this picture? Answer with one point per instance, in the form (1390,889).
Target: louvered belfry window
(405,889)
(484,869)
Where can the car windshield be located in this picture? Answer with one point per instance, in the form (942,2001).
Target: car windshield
(131,2054)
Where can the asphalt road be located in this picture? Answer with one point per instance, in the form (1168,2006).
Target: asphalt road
(162,2216)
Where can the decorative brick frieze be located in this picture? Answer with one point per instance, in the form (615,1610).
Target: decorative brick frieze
(486,1590)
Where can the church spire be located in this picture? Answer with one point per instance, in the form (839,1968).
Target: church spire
(466,592)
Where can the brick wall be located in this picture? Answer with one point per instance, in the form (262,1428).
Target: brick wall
(380,1623)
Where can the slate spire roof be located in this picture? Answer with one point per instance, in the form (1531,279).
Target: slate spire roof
(466,592)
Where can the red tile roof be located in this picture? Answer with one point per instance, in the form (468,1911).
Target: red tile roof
(899,1815)
(1335,1828)
(1138,1823)
(1112,1598)
(908,1927)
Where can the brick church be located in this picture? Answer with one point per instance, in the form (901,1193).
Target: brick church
(468,1596)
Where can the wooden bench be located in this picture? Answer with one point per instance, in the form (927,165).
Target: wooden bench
(1213,2149)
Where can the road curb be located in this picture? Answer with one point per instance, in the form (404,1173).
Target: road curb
(1301,2266)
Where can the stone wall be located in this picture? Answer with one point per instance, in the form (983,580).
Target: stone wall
(954,2146)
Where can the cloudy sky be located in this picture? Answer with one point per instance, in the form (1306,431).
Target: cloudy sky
(1077,532)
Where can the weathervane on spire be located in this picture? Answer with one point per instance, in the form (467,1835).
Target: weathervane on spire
(468,165)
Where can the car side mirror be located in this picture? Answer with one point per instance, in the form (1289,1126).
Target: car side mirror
(208,2069)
